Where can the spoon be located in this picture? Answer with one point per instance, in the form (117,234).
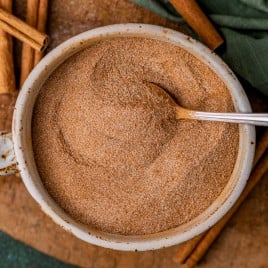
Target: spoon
(258,119)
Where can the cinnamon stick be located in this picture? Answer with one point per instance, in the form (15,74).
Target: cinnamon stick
(41,26)
(186,248)
(22,31)
(36,17)
(201,246)
(7,77)
(195,17)
(27,55)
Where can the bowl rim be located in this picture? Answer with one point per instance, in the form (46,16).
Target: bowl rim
(21,128)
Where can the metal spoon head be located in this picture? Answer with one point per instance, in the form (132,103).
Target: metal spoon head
(157,90)
(181,113)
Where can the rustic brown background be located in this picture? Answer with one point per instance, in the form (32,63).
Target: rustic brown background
(244,243)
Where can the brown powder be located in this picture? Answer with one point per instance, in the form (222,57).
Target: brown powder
(109,150)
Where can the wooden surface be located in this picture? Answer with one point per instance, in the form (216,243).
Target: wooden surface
(244,243)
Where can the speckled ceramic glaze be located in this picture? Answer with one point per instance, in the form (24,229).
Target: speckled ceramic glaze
(22,148)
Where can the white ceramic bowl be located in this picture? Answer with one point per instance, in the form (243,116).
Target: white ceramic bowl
(24,154)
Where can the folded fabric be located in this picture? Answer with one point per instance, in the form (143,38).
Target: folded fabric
(244,26)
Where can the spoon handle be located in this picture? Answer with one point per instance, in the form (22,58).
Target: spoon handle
(258,119)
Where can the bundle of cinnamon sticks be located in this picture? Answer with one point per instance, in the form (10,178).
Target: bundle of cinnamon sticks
(30,33)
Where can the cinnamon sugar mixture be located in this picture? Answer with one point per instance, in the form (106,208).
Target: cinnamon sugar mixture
(110,151)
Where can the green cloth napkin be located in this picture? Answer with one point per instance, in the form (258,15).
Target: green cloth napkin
(244,26)
(14,254)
